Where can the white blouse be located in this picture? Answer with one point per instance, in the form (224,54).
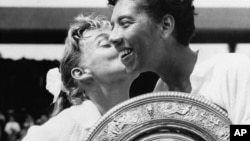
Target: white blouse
(71,124)
(225,80)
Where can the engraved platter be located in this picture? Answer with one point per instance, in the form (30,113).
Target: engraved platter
(163,116)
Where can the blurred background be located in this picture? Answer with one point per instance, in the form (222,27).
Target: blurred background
(32,34)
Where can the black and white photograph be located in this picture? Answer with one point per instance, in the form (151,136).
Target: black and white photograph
(124,70)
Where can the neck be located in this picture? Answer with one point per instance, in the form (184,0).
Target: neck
(176,71)
(106,96)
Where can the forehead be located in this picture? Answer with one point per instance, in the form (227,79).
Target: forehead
(91,37)
(96,33)
(125,7)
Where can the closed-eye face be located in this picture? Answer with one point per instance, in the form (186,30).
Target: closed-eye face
(100,56)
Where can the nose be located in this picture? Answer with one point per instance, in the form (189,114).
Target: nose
(116,38)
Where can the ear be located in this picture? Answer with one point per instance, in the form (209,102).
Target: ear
(167,25)
(80,74)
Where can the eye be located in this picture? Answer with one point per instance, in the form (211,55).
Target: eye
(125,23)
(105,44)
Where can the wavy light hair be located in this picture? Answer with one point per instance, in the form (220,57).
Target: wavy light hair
(71,58)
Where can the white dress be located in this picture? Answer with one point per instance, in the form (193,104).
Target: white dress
(225,80)
(71,124)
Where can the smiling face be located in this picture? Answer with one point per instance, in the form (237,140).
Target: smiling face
(135,36)
(100,56)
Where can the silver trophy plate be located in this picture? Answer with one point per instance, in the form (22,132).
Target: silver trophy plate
(163,116)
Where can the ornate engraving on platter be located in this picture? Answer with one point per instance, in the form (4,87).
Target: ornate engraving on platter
(129,119)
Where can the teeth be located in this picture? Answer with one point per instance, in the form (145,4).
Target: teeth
(125,52)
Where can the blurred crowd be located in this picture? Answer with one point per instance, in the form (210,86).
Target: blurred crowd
(13,127)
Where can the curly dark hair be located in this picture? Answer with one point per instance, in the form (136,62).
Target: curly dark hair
(182,11)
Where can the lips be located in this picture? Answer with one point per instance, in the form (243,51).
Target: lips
(124,53)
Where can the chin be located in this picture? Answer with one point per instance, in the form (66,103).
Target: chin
(131,71)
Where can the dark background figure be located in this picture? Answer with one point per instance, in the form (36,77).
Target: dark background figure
(2,123)
(27,123)
(12,127)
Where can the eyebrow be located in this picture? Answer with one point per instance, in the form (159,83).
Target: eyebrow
(100,35)
(120,18)
(124,17)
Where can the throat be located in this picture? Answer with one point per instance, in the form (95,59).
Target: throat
(178,82)
(183,87)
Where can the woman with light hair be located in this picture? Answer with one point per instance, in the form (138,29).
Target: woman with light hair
(93,81)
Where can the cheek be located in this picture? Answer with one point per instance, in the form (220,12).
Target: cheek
(91,60)
(141,39)
(105,68)
(103,58)
(141,33)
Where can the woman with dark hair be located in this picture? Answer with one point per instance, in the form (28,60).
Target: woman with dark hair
(156,34)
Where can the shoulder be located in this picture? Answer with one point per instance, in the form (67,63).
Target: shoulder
(51,130)
(84,112)
(233,68)
(222,65)
(81,115)
(232,58)
(232,61)
(67,124)
(37,133)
